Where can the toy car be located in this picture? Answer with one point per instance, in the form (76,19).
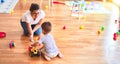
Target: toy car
(34,51)
(2,34)
(12,44)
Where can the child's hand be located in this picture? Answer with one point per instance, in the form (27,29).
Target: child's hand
(34,44)
(40,46)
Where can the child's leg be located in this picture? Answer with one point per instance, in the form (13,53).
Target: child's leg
(45,54)
(47,58)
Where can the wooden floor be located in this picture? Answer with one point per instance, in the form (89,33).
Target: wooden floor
(78,46)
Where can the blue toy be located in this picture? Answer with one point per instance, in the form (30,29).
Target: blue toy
(2,1)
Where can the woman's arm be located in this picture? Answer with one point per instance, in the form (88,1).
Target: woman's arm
(37,26)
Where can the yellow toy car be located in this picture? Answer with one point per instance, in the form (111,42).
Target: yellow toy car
(34,51)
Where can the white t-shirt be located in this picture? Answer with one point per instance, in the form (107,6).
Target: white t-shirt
(49,43)
(28,18)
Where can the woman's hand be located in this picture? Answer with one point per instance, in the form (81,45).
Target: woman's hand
(31,38)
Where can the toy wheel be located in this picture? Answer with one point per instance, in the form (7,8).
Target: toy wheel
(38,54)
(10,45)
(31,54)
(13,44)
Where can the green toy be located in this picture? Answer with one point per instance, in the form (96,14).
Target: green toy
(102,28)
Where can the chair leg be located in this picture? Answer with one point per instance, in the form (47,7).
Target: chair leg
(72,8)
(41,1)
(52,2)
(79,12)
(49,4)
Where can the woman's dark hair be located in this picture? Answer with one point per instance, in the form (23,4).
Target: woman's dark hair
(46,26)
(34,6)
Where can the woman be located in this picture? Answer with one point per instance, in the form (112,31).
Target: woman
(31,21)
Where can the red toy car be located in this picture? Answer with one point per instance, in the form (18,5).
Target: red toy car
(2,34)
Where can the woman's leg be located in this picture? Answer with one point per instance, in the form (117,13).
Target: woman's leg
(23,24)
(38,31)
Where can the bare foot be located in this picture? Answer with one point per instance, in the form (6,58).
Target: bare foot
(60,55)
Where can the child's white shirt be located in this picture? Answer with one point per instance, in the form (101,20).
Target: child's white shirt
(49,43)
(28,18)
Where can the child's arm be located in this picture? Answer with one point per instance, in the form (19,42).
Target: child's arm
(40,46)
(39,43)
(36,44)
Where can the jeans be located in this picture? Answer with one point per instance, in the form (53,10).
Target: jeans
(24,26)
